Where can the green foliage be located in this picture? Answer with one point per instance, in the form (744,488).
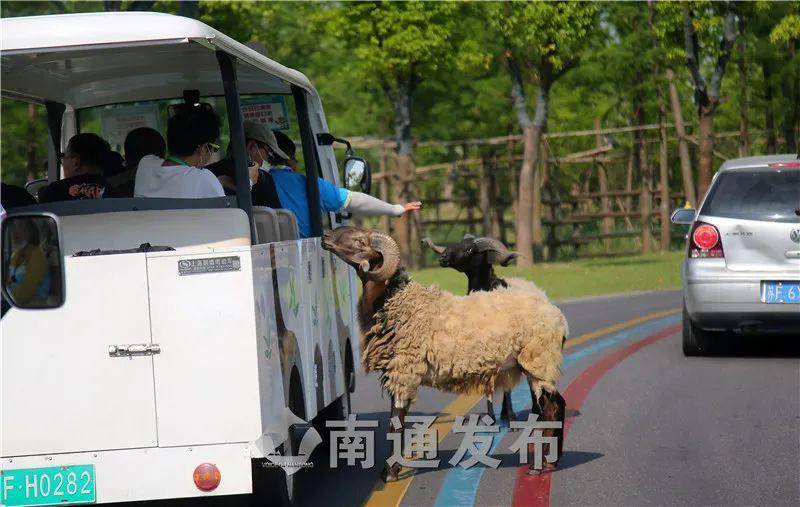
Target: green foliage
(788,29)
(555,32)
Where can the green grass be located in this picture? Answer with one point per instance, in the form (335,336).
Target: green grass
(590,277)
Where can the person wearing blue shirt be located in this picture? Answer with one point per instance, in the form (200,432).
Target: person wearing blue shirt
(291,189)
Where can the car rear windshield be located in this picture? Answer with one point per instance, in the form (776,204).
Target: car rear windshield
(772,196)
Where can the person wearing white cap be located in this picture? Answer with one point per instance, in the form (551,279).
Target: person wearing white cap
(291,190)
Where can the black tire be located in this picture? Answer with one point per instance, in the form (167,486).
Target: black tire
(696,342)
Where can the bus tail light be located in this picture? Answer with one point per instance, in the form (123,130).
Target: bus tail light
(206,476)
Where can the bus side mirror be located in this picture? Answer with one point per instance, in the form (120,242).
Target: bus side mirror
(357,174)
(683,216)
(33,268)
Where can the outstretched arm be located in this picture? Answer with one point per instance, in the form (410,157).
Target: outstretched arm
(366,205)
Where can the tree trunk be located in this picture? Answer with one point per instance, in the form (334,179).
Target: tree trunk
(484,190)
(384,186)
(683,148)
(663,160)
(530,141)
(629,178)
(524,243)
(707,94)
(602,180)
(744,138)
(644,175)
(663,172)
(404,177)
(706,155)
(769,114)
(790,114)
(512,174)
(538,178)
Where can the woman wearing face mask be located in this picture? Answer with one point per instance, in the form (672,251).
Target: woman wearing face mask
(192,137)
(28,273)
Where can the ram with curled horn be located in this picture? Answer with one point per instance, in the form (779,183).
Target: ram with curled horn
(422,336)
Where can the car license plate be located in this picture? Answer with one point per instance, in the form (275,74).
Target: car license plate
(780,292)
(62,485)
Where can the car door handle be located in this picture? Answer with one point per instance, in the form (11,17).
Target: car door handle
(134,349)
(792,254)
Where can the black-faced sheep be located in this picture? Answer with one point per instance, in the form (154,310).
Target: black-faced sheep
(416,335)
(475,258)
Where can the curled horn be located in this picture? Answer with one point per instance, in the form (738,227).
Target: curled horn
(433,246)
(503,255)
(390,252)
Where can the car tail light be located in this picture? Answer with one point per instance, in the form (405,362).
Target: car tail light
(704,242)
(206,476)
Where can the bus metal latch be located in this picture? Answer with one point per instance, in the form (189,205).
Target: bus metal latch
(134,349)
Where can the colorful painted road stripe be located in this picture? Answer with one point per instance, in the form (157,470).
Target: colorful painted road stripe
(390,495)
(534,491)
(460,486)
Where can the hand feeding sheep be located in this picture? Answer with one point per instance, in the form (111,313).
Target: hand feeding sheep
(416,335)
(475,258)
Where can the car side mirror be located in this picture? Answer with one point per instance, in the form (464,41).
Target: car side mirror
(683,216)
(357,174)
(33,268)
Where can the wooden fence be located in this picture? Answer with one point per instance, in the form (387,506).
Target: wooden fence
(600,200)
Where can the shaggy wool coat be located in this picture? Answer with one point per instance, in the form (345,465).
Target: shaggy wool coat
(464,344)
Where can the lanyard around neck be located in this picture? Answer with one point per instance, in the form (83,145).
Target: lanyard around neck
(177,161)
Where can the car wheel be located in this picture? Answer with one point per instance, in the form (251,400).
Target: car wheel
(695,341)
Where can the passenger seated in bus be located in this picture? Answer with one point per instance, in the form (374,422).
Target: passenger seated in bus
(291,187)
(113,164)
(262,191)
(138,143)
(287,146)
(28,277)
(192,136)
(83,171)
(226,172)
(12,196)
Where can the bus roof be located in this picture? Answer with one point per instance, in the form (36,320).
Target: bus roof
(93,59)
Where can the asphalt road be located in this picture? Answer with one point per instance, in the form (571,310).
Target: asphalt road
(646,426)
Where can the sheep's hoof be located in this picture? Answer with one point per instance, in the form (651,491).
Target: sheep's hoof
(548,467)
(391,473)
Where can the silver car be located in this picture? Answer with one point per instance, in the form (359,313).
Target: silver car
(742,267)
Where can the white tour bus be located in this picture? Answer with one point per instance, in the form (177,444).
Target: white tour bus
(171,371)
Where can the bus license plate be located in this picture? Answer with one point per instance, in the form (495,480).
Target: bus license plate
(62,485)
(780,292)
